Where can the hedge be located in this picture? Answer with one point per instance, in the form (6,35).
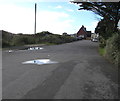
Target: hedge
(113,49)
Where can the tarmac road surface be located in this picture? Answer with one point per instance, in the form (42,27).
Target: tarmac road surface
(81,73)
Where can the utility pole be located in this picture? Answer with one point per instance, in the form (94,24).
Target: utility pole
(35,18)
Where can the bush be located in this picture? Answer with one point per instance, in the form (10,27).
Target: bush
(113,49)
(44,37)
(52,39)
(43,33)
(102,43)
(22,40)
(67,39)
(5,44)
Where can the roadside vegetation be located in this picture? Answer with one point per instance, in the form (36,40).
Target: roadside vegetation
(112,49)
(107,28)
(45,37)
(102,51)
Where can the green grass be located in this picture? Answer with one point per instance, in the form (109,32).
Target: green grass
(101,51)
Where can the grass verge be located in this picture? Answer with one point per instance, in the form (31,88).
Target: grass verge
(101,51)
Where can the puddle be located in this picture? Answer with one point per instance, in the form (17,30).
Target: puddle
(40,62)
(31,48)
(35,48)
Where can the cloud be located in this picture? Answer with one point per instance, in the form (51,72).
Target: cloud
(58,6)
(21,20)
(55,22)
(70,10)
(16,19)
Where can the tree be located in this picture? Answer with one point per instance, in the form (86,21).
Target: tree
(64,33)
(107,10)
(105,28)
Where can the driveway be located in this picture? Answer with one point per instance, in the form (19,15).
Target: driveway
(81,73)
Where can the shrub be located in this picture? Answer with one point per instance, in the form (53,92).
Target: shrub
(67,39)
(44,37)
(43,33)
(52,39)
(5,44)
(113,48)
(102,43)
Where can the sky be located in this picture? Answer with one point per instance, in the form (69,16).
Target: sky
(55,16)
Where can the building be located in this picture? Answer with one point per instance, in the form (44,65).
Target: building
(83,32)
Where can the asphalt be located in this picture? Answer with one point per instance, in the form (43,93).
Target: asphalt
(81,73)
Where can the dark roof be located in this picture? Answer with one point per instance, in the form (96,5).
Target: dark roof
(83,31)
(82,28)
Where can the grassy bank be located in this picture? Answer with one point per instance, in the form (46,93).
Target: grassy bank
(45,37)
(111,51)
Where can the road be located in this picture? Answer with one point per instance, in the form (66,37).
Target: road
(81,73)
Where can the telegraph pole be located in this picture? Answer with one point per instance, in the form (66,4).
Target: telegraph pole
(35,18)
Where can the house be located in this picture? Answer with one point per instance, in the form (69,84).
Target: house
(83,32)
